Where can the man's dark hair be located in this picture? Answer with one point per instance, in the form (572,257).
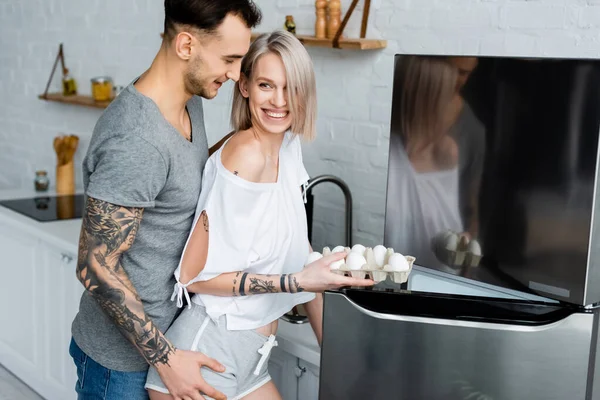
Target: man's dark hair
(207,15)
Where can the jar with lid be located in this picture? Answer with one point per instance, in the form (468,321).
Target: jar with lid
(41,181)
(102,88)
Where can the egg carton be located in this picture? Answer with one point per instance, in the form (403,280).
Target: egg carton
(456,250)
(361,262)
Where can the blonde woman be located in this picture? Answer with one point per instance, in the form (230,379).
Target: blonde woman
(423,176)
(245,256)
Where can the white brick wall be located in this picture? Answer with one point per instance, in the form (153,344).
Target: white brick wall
(120,37)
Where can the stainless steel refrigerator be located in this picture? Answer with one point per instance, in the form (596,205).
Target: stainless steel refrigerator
(492,186)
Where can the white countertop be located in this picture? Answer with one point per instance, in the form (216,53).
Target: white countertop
(296,339)
(62,234)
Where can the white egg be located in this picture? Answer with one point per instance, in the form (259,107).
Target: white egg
(312,257)
(338,249)
(355,261)
(371,264)
(359,248)
(336,264)
(379,253)
(451,242)
(398,262)
(474,247)
(388,254)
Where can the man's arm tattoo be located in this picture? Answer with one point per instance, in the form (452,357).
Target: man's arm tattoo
(107,231)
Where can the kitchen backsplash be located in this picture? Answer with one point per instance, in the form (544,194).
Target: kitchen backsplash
(120,38)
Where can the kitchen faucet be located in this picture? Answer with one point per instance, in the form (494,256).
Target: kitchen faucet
(294,316)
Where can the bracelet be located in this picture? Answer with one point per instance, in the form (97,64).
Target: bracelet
(290,282)
(282,283)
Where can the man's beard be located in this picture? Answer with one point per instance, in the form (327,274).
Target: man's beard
(194,83)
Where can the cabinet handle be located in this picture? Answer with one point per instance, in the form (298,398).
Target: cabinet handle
(66,258)
(299,371)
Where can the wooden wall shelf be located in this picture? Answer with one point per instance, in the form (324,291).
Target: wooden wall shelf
(345,43)
(79,100)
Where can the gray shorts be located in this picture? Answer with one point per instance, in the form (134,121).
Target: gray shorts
(246,369)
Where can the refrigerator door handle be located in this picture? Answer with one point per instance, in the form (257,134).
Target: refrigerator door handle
(462,323)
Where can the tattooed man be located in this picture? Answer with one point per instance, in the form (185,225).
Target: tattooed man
(142,177)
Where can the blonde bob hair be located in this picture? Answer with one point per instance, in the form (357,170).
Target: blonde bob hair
(427,85)
(300,76)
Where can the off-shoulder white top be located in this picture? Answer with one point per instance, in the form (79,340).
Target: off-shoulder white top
(259,228)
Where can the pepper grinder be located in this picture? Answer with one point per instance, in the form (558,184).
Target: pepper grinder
(321,24)
(334,11)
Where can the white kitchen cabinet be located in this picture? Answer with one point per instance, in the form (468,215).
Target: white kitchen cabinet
(282,368)
(39,294)
(20,325)
(308,382)
(62,292)
(295,378)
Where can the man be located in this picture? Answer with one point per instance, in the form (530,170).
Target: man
(142,176)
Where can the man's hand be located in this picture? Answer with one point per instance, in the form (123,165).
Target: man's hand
(182,375)
(317,277)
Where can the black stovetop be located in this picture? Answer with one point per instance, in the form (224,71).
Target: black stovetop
(48,208)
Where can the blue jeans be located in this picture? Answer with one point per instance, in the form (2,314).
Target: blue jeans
(94,382)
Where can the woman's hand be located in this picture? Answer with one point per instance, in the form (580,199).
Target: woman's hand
(318,277)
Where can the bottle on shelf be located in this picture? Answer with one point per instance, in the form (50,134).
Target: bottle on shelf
(69,84)
(290,25)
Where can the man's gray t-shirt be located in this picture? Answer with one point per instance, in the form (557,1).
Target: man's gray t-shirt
(138,159)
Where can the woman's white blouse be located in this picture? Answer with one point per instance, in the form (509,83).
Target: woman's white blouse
(259,228)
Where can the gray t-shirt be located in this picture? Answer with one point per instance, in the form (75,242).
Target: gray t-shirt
(138,159)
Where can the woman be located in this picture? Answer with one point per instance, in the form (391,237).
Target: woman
(423,178)
(245,255)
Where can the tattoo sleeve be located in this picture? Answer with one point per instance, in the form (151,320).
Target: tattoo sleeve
(107,232)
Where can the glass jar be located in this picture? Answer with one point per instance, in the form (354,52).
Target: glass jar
(102,88)
(290,25)
(41,181)
(69,84)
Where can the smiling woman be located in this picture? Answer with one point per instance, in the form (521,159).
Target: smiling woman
(282,75)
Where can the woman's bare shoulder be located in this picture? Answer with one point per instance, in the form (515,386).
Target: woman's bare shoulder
(242,156)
